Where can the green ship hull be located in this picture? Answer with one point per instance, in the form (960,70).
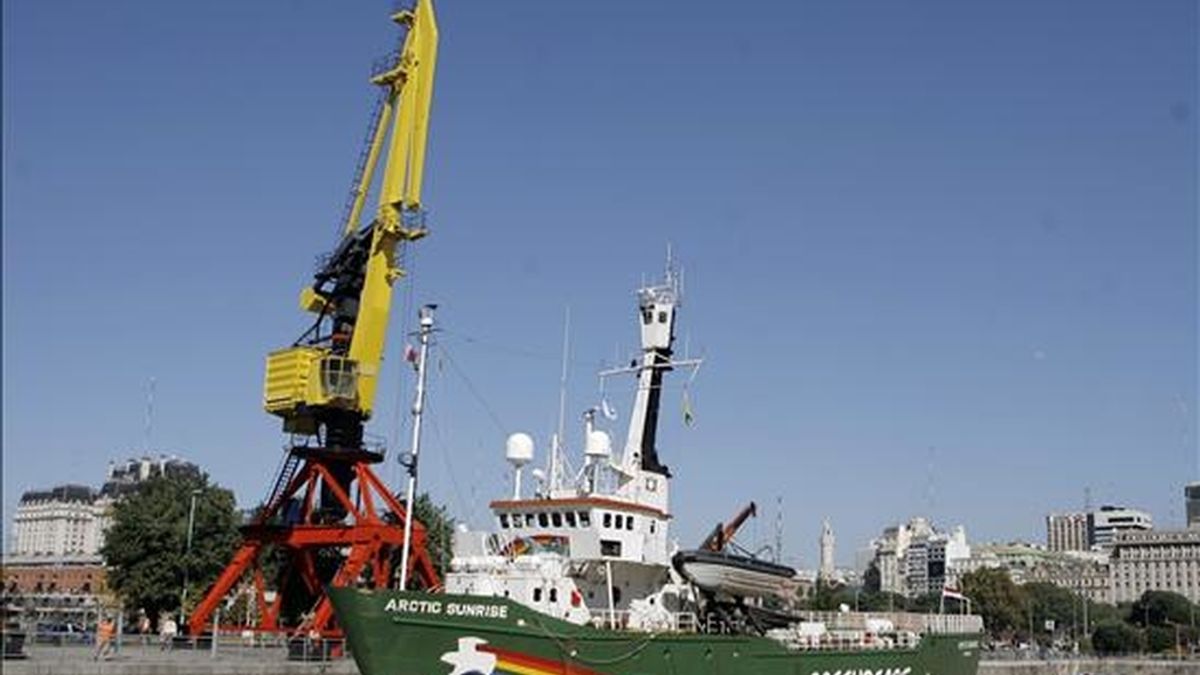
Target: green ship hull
(399,633)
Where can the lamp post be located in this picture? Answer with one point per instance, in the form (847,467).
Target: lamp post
(187,556)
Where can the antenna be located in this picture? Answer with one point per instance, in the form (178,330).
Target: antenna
(149,415)
(929,484)
(556,446)
(778,529)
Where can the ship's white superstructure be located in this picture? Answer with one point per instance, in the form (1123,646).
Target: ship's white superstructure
(594,546)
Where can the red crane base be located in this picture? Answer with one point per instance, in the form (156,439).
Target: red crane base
(369,535)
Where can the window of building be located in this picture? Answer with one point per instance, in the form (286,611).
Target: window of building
(504,521)
(530,520)
(537,595)
(662,317)
(585,519)
(556,518)
(553,595)
(629,522)
(610,548)
(570,516)
(607,519)
(543,521)
(653,522)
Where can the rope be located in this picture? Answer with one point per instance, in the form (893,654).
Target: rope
(503,428)
(574,654)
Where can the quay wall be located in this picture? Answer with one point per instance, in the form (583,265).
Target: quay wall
(79,663)
(1090,667)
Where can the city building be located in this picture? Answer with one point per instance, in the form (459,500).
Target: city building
(125,477)
(1155,561)
(53,569)
(914,559)
(1191,495)
(827,553)
(1105,523)
(63,521)
(1084,572)
(1067,532)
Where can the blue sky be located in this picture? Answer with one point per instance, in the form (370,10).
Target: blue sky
(941,257)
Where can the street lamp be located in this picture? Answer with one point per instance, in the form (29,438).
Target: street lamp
(187,557)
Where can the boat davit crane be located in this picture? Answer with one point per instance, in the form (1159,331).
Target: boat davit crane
(721,535)
(323,386)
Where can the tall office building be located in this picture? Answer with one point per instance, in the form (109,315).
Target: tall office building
(1191,494)
(1067,532)
(1104,524)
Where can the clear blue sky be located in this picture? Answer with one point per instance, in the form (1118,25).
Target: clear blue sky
(941,256)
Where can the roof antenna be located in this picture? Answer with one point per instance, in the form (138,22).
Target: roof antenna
(149,415)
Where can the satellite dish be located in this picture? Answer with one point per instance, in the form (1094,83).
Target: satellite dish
(518,450)
(599,445)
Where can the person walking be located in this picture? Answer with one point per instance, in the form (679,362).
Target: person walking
(106,630)
(167,633)
(144,628)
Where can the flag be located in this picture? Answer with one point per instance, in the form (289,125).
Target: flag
(411,354)
(948,592)
(688,417)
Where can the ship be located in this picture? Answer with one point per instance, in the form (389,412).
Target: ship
(579,576)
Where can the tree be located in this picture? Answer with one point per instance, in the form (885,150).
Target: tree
(439,532)
(146,546)
(1116,638)
(1053,603)
(1161,608)
(995,597)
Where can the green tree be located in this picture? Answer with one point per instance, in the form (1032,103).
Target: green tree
(1161,608)
(1116,638)
(1052,603)
(146,546)
(1000,602)
(439,531)
(1160,638)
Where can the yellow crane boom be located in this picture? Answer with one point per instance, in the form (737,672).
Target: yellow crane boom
(325,383)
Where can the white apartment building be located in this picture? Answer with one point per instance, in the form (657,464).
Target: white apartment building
(1155,561)
(64,521)
(914,559)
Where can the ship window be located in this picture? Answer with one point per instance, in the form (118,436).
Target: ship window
(553,595)
(537,595)
(585,519)
(570,516)
(652,524)
(629,522)
(647,317)
(608,520)
(529,520)
(543,521)
(556,518)
(618,519)
(504,521)
(662,317)
(611,548)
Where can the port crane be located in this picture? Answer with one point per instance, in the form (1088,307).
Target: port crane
(323,386)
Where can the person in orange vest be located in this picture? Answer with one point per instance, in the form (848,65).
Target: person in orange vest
(106,630)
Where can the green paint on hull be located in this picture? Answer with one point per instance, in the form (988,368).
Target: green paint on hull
(394,633)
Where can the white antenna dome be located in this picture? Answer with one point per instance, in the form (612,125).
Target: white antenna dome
(598,444)
(518,450)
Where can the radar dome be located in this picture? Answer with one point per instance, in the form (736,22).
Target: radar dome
(598,444)
(518,450)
